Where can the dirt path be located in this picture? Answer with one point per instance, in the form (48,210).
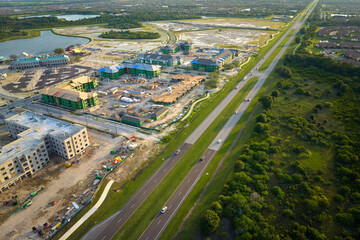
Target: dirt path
(60,189)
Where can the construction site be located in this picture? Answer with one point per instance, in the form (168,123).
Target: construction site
(149,103)
(46,201)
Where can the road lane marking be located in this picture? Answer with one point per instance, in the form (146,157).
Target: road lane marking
(196,170)
(119,220)
(159,222)
(132,206)
(144,192)
(103,237)
(180,193)
(189,180)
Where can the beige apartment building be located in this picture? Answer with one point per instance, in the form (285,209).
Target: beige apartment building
(36,137)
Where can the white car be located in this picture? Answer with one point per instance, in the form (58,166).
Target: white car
(219,141)
(163,209)
(177,152)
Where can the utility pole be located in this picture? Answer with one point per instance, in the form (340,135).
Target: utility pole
(86,120)
(115,128)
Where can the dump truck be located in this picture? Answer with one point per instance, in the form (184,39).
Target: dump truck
(67,164)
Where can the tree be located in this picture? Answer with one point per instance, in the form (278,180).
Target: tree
(297,39)
(261,118)
(59,51)
(266,101)
(275,93)
(284,72)
(209,222)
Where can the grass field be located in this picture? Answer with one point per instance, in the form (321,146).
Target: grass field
(30,34)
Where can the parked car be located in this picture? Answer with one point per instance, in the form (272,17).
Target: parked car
(163,209)
(177,152)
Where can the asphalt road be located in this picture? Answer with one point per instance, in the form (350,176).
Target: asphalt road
(158,225)
(108,228)
(84,119)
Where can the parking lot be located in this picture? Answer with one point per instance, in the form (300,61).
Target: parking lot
(40,79)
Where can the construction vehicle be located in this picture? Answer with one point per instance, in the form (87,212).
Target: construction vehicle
(113,151)
(67,164)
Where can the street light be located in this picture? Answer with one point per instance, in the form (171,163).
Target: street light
(115,128)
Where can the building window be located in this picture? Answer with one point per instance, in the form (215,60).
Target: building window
(10,165)
(2,169)
(6,178)
(27,168)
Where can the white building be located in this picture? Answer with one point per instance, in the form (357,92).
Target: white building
(36,137)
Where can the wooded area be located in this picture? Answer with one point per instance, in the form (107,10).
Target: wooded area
(130,35)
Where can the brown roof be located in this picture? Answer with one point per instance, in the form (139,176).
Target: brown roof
(67,94)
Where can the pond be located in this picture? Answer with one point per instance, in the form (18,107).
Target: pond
(70,17)
(44,44)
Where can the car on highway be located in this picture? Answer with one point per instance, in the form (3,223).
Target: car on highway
(219,141)
(236,87)
(177,152)
(236,112)
(202,158)
(163,209)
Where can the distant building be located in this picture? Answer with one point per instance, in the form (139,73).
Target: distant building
(214,63)
(352,55)
(157,59)
(75,94)
(174,48)
(136,121)
(141,69)
(33,62)
(159,113)
(36,137)
(170,49)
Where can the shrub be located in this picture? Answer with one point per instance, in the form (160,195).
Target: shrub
(209,222)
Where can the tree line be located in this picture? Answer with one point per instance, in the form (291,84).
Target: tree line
(130,35)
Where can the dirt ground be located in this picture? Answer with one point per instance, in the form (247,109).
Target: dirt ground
(212,38)
(235,22)
(60,184)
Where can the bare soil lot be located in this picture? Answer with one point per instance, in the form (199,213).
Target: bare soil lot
(235,22)
(60,184)
(221,37)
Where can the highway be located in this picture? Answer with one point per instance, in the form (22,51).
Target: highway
(158,225)
(109,227)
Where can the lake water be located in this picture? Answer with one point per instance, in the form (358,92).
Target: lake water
(70,17)
(44,44)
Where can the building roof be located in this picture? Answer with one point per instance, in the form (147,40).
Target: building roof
(156,57)
(27,60)
(54,58)
(68,94)
(38,126)
(80,81)
(109,69)
(146,67)
(204,61)
(132,119)
(159,111)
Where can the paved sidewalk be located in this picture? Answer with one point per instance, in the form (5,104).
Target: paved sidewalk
(89,213)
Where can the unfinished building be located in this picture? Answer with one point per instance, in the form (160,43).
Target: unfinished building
(114,71)
(179,46)
(75,94)
(215,62)
(158,59)
(184,85)
(36,137)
